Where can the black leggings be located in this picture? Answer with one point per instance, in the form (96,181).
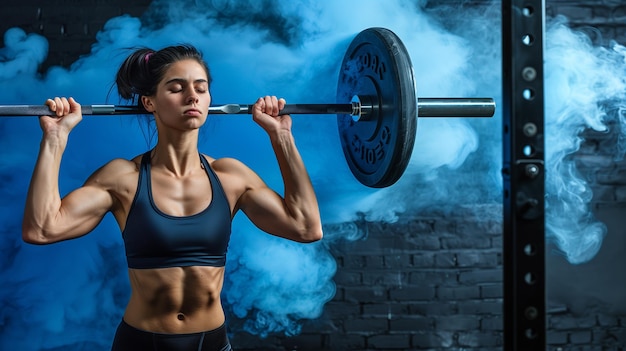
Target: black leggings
(128,338)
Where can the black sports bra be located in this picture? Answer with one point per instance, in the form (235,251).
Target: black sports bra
(154,239)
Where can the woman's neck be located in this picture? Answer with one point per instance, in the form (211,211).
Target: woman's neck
(178,156)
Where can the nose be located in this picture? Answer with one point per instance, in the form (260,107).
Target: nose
(192,97)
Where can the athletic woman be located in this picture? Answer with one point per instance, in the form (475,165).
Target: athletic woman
(174,205)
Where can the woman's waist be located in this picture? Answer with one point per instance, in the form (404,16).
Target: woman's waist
(190,319)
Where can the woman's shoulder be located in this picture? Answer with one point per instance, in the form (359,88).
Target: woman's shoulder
(122,165)
(232,168)
(229,165)
(115,171)
(224,163)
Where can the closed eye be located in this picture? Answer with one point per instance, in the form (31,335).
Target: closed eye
(176,88)
(201,86)
(178,85)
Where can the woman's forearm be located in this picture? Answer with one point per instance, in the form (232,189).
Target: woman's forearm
(300,198)
(43,199)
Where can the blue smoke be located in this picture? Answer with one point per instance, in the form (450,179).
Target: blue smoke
(72,294)
(585,90)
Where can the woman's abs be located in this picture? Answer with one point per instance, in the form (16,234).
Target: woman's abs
(175,300)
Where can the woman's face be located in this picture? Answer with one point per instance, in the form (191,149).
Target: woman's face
(182,97)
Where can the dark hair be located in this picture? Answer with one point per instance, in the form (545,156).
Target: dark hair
(142,70)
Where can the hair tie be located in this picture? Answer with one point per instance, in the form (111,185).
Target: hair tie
(147,57)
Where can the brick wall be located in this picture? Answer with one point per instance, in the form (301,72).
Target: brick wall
(422,283)
(602,20)
(69,25)
(426,282)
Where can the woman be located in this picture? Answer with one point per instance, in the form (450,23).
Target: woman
(174,206)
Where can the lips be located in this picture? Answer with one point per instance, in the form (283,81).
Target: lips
(192,112)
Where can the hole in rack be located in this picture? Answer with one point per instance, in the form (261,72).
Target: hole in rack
(530,334)
(528,94)
(530,278)
(528,151)
(529,250)
(528,11)
(528,39)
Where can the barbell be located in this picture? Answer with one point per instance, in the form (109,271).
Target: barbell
(377,107)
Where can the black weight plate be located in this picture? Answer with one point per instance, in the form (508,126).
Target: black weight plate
(377,68)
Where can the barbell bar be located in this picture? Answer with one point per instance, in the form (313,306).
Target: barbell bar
(377,128)
(427,107)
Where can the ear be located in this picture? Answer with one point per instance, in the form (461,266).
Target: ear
(147,103)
